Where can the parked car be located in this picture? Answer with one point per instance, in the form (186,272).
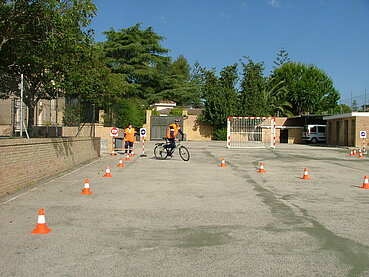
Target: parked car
(315,133)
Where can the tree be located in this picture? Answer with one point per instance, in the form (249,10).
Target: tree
(252,100)
(137,55)
(310,90)
(41,39)
(176,84)
(355,106)
(275,99)
(282,58)
(220,95)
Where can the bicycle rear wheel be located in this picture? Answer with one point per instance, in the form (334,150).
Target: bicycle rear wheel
(184,153)
(160,152)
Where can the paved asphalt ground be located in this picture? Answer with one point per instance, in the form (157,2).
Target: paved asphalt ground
(176,218)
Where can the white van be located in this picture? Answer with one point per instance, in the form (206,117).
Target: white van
(314,133)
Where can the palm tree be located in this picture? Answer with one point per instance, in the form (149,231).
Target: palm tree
(275,99)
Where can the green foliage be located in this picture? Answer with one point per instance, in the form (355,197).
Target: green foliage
(310,90)
(282,58)
(42,40)
(126,111)
(71,115)
(176,112)
(253,85)
(137,55)
(220,133)
(220,95)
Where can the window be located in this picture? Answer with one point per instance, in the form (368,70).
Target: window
(313,130)
(321,129)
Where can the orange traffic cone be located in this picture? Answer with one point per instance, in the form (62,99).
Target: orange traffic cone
(86,188)
(261,168)
(107,172)
(112,153)
(223,163)
(365,183)
(128,159)
(120,164)
(354,152)
(360,154)
(132,154)
(351,153)
(306,175)
(41,224)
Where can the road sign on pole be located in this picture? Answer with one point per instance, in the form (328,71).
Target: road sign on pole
(363,134)
(143,132)
(114,132)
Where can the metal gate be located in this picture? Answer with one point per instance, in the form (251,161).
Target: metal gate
(159,125)
(251,132)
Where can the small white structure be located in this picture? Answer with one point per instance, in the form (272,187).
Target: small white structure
(164,105)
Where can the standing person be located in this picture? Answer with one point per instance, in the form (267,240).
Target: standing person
(129,138)
(172,131)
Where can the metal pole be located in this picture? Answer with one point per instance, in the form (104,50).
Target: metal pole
(351,101)
(56,115)
(21,107)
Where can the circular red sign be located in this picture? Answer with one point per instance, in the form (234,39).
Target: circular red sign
(114,131)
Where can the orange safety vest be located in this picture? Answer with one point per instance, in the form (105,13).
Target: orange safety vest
(175,129)
(130,134)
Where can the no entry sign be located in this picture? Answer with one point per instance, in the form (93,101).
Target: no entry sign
(114,132)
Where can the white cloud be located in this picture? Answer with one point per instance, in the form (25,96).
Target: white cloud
(224,15)
(163,20)
(274,3)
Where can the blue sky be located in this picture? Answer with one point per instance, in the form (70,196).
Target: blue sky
(331,34)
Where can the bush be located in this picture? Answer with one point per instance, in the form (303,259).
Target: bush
(176,112)
(220,133)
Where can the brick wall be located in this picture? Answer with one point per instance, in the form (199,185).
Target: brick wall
(24,161)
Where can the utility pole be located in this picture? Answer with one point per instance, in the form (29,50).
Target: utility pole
(351,101)
(21,107)
(56,115)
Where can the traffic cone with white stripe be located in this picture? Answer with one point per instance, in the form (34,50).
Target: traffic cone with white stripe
(128,159)
(120,164)
(360,154)
(107,172)
(261,168)
(112,153)
(306,175)
(365,183)
(351,153)
(86,189)
(354,152)
(41,224)
(132,154)
(223,163)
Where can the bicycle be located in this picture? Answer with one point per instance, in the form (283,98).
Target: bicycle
(162,150)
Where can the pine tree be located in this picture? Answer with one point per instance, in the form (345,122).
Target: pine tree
(282,58)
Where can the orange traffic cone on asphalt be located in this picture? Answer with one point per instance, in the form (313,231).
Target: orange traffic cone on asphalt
(360,154)
(112,153)
(107,172)
(120,164)
(223,163)
(365,183)
(86,189)
(128,159)
(261,168)
(132,154)
(306,175)
(354,152)
(351,153)
(41,224)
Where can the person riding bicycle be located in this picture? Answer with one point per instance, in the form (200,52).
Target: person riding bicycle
(172,131)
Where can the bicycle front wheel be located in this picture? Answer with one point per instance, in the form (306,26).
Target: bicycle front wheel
(160,152)
(184,153)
